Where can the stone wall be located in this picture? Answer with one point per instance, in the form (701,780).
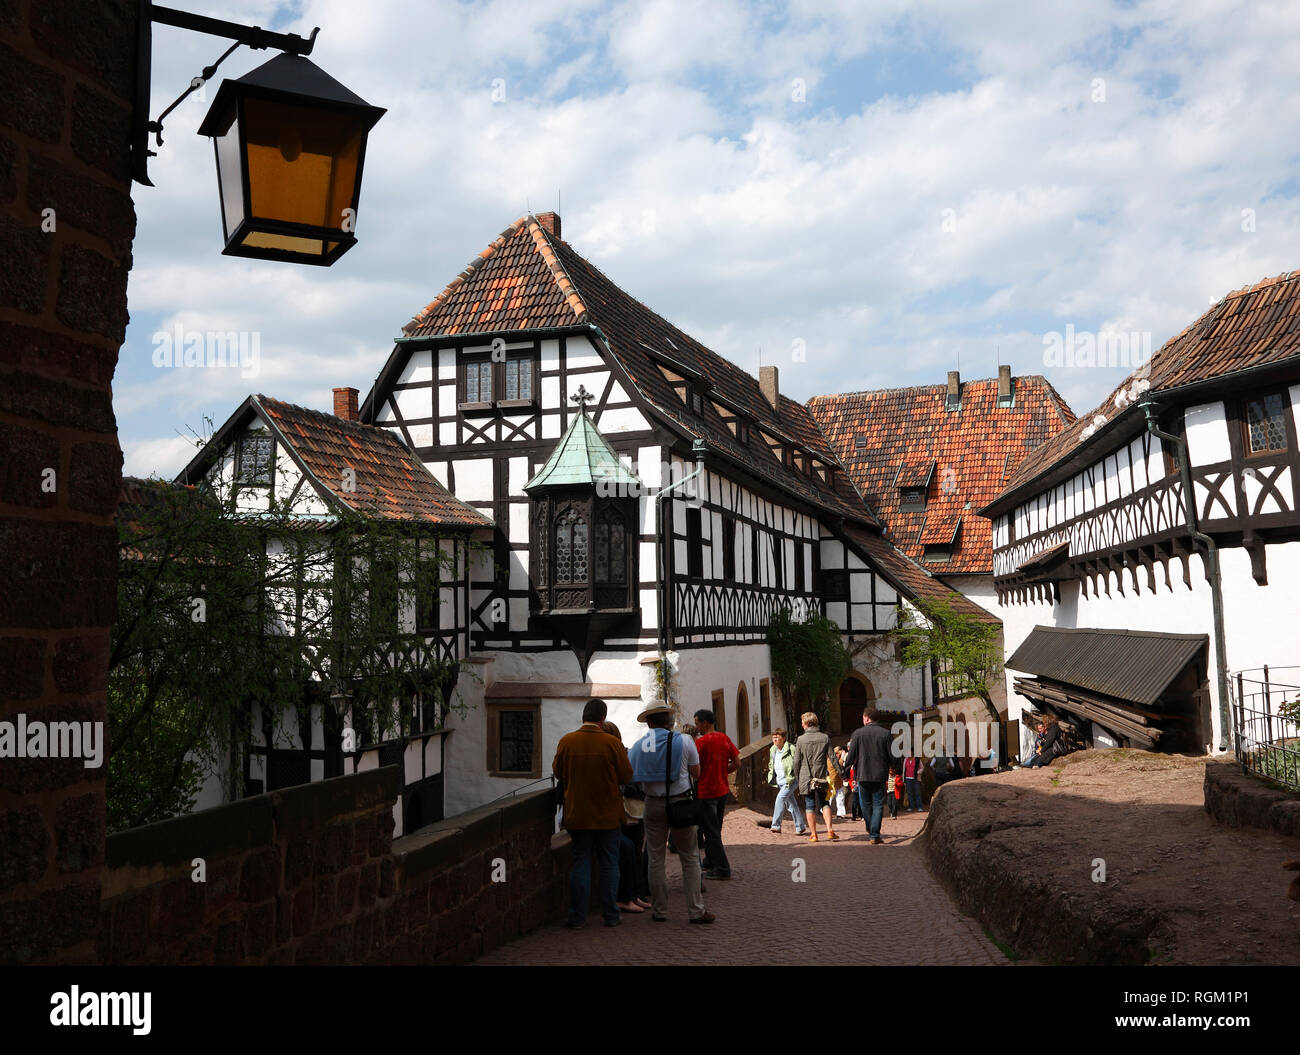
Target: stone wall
(66,227)
(749,782)
(312,875)
(1241,800)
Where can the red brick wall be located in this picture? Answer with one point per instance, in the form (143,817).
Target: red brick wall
(66,71)
(312,875)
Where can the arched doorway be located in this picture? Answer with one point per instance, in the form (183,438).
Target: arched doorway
(855,694)
(742,716)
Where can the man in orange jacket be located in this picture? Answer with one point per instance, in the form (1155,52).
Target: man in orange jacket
(592,767)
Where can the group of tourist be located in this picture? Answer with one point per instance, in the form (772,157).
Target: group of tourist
(624,805)
(668,793)
(811,778)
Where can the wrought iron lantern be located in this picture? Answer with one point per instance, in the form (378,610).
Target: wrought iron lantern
(290,142)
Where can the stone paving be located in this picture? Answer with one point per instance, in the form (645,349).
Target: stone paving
(857,903)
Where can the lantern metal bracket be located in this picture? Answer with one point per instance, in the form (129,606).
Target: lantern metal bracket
(254,37)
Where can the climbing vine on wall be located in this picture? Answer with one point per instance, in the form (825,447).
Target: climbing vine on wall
(809,661)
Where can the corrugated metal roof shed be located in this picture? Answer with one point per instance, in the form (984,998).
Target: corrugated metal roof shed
(1133,665)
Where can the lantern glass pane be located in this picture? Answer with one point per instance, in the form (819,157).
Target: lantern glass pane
(302,165)
(231,176)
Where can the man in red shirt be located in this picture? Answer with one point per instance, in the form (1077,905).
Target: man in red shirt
(718,757)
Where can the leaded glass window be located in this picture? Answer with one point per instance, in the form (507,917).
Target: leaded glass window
(254,457)
(602,550)
(519,379)
(478,382)
(571,548)
(1266,423)
(611,549)
(517,742)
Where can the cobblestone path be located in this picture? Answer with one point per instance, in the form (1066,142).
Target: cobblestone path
(878,900)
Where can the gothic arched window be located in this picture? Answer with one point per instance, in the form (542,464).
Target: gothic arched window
(611,548)
(571,548)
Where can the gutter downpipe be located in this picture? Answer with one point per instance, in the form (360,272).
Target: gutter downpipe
(1211,561)
(699,448)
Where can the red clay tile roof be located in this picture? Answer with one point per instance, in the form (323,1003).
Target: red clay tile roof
(529,278)
(1251,327)
(915,580)
(391,482)
(972,451)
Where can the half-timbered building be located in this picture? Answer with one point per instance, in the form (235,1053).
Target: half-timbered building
(1152,547)
(926,458)
(654,505)
(274,464)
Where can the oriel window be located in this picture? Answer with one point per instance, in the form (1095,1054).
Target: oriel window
(571,548)
(611,548)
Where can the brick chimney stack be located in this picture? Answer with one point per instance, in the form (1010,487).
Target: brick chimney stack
(954,386)
(1004,382)
(550,221)
(767,381)
(345,404)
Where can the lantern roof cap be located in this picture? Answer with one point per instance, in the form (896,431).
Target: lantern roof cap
(582,458)
(289,77)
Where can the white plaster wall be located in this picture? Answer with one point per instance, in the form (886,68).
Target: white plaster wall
(701,670)
(474,479)
(1259,621)
(418,368)
(1207,434)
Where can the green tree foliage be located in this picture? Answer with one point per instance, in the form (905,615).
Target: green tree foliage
(809,661)
(223,613)
(965,651)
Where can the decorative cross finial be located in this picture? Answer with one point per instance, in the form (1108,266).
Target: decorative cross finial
(582,397)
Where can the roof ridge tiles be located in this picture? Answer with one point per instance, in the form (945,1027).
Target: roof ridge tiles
(464,276)
(542,241)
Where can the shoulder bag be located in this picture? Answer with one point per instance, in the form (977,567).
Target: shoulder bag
(684,813)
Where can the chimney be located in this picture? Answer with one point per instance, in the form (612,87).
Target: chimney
(550,221)
(1004,384)
(345,404)
(767,376)
(953,400)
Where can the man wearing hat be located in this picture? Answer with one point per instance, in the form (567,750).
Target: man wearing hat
(592,767)
(653,760)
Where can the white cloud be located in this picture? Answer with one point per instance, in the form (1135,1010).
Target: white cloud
(690,177)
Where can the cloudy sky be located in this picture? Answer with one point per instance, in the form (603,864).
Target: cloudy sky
(867,194)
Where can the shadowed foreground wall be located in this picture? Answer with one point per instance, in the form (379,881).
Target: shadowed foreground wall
(312,875)
(66,226)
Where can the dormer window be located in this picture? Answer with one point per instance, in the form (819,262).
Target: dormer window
(911,499)
(253,460)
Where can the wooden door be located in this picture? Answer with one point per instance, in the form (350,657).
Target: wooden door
(854,696)
(742,716)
